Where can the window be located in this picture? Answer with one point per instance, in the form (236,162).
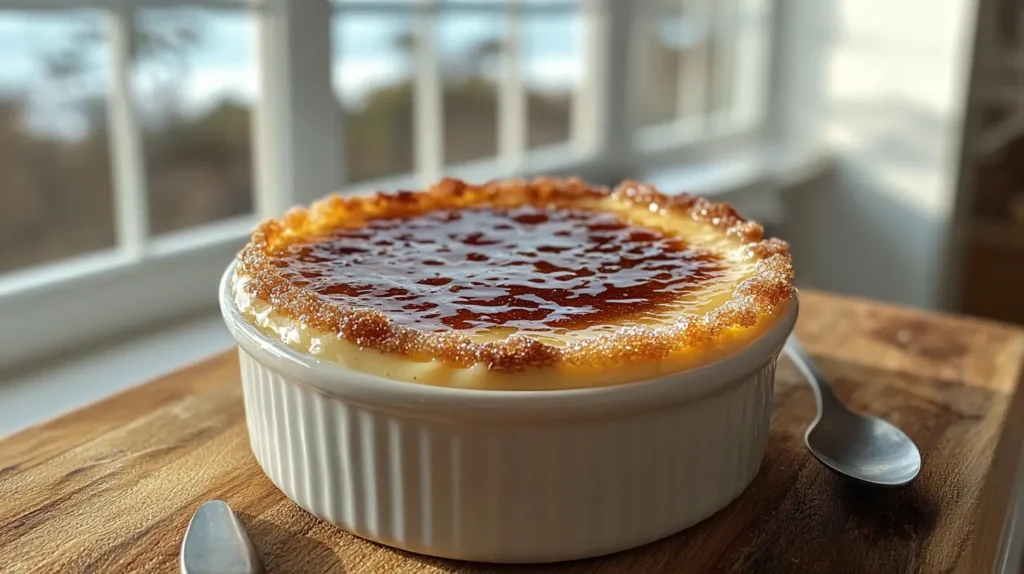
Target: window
(702,71)
(373,73)
(141,139)
(57,184)
(193,77)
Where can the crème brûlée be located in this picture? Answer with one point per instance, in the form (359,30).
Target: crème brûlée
(514,285)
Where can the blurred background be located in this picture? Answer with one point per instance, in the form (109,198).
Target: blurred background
(140,140)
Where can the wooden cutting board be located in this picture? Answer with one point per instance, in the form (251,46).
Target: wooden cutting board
(111,487)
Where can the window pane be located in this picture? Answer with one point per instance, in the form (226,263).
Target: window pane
(470,50)
(673,57)
(373,64)
(194,81)
(553,59)
(54,152)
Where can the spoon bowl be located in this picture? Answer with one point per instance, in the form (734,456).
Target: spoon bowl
(864,448)
(857,446)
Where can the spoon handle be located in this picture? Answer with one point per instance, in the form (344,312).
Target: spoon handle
(823,393)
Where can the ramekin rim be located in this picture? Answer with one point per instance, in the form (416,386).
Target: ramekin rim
(367,389)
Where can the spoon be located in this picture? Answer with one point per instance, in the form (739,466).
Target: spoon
(216,543)
(864,448)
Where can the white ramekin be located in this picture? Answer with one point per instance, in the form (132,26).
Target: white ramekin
(506,476)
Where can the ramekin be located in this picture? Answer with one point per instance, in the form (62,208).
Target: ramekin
(506,476)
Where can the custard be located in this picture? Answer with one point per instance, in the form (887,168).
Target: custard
(514,285)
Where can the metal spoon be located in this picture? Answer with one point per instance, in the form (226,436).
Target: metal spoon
(216,543)
(864,448)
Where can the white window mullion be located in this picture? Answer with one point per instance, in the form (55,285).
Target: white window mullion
(602,119)
(752,60)
(586,121)
(723,76)
(796,69)
(694,62)
(512,112)
(297,124)
(130,196)
(428,106)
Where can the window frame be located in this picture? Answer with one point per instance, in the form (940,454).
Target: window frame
(66,305)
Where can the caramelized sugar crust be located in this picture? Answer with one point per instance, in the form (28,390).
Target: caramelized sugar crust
(280,263)
(491,271)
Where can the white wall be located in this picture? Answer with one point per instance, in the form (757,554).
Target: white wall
(894,102)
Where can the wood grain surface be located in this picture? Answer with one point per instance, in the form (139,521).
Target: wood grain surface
(110,488)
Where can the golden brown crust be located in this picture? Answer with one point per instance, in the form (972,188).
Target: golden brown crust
(754,298)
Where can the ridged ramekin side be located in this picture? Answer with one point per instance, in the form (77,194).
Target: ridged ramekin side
(507,491)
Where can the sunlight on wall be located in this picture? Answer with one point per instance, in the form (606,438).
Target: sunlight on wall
(895,91)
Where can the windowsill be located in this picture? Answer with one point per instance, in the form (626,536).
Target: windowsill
(751,182)
(32,396)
